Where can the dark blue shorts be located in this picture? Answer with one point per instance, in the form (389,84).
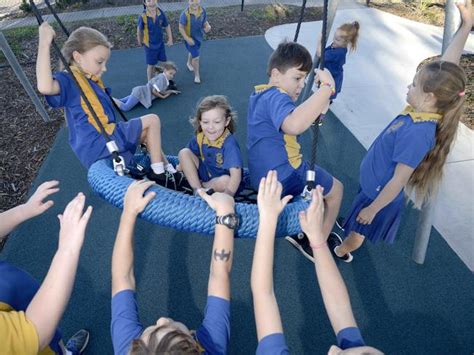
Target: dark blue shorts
(193,50)
(204,176)
(153,56)
(295,183)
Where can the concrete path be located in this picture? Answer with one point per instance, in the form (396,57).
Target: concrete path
(374,91)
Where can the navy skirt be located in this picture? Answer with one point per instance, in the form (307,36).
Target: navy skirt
(385,223)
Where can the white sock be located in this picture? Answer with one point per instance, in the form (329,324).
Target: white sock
(158,168)
(169,167)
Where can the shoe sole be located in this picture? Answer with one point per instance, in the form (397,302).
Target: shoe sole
(297,246)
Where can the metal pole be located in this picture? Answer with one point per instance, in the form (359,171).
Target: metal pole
(452,21)
(22,77)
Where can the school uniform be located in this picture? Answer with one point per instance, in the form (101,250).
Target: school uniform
(334,60)
(218,157)
(194,28)
(271,149)
(84,133)
(406,140)
(152,29)
(143,93)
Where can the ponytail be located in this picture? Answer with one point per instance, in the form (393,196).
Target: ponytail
(351,31)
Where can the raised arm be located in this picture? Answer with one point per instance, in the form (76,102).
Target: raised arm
(267,314)
(35,206)
(454,51)
(222,248)
(135,201)
(44,77)
(49,303)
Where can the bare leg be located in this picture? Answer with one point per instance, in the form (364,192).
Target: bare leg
(189,163)
(151,136)
(149,71)
(189,63)
(332,204)
(197,77)
(218,184)
(351,243)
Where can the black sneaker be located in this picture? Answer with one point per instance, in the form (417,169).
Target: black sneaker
(334,240)
(301,242)
(78,342)
(182,183)
(172,85)
(165,179)
(340,223)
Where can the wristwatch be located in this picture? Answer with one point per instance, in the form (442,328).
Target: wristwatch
(230,220)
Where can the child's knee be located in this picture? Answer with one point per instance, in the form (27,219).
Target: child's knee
(184,154)
(151,120)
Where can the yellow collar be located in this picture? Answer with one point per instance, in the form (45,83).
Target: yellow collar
(263,87)
(158,13)
(421,116)
(94,78)
(197,13)
(218,143)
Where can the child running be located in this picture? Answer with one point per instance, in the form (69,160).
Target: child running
(333,289)
(411,151)
(150,35)
(157,87)
(212,159)
(168,336)
(335,55)
(87,52)
(192,23)
(274,124)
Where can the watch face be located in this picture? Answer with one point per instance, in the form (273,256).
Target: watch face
(231,221)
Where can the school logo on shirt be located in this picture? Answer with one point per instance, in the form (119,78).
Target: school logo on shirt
(219,159)
(395,126)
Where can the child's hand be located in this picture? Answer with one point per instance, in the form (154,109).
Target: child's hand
(175,92)
(207,27)
(46,33)
(220,202)
(73,224)
(135,201)
(324,76)
(366,215)
(190,41)
(311,220)
(169,43)
(465,10)
(36,204)
(270,203)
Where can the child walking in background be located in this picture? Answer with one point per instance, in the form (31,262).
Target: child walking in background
(158,87)
(335,55)
(192,23)
(411,151)
(87,52)
(150,35)
(333,289)
(212,159)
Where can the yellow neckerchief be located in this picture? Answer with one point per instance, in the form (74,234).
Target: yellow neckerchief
(218,143)
(198,13)
(83,80)
(146,33)
(199,346)
(263,87)
(421,116)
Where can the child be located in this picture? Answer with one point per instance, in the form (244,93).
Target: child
(150,35)
(274,124)
(29,312)
(335,55)
(333,290)
(87,52)
(411,151)
(168,336)
(212,158)
(158,86)
(192,22)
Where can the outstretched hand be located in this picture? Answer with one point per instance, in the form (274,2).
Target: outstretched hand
(220,202)
(36,204)
(311,220)
(465,10)
(270,203)
(135,201)
(73,223)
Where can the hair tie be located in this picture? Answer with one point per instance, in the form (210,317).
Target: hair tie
(462,93)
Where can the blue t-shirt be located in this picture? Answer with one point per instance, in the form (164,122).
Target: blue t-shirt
(334,60)
(153,32)
(213,334)
(17,289)
(407,140)
(268,147)
(194,29)
(216,157)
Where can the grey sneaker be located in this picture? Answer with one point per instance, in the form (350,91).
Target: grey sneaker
(301,242)
(334,241)
(78,342)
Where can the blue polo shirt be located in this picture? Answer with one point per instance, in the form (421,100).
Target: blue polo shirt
(407,140)
(84,136)
(193,24)
(216,158)
(268,147)
(334,60)
(152,28)
(17,289)
(213,335)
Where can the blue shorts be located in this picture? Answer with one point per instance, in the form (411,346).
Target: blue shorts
(295,183)
(204,177)
(127,136)
(193,50)
(153,56)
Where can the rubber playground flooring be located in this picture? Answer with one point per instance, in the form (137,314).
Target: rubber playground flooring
(401,307)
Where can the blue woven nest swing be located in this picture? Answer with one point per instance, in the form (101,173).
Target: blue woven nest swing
(185,212)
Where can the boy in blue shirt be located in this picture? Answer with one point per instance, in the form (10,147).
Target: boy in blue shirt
(150,35)
(274,124)
(168,336)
